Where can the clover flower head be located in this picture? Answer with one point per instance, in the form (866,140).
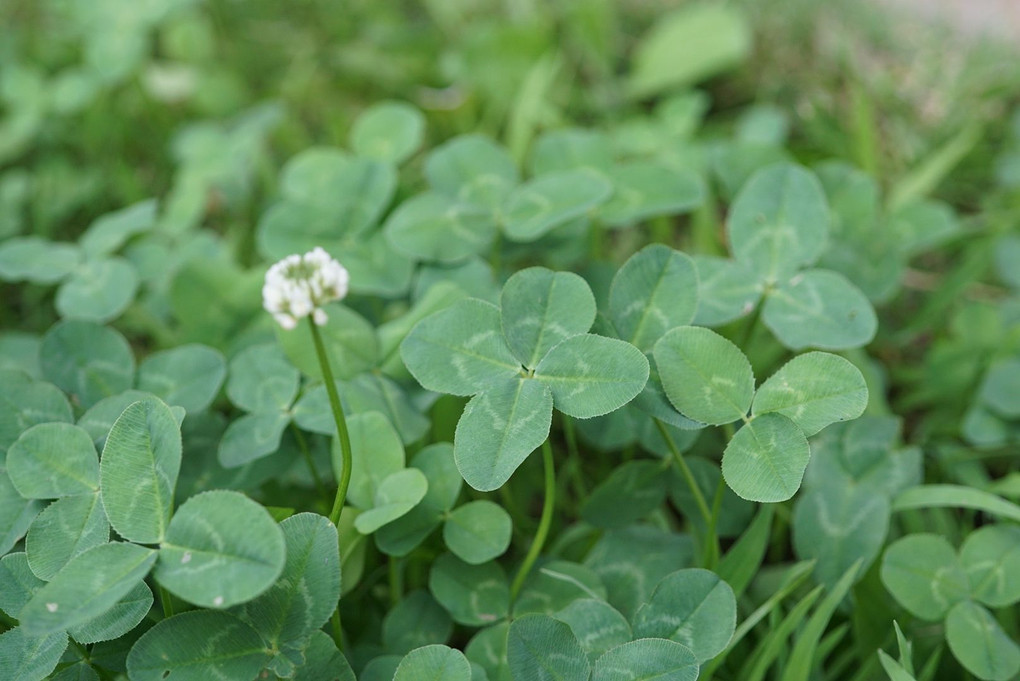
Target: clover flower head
(299,285)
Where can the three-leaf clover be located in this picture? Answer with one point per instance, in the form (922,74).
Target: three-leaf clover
(927,576)
(94,284)
(708,379)
(778,226)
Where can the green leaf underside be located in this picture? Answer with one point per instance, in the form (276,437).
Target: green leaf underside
(591,375)
(53,460)
(765,460)
(779,221)
(820,309)
(539,308)
(460,350)
(656,290)
(706,377)
(138,471)
(499,429)
(221,549)
(647,659)
(693,607)
(89,585)
(814,390)
(195,645)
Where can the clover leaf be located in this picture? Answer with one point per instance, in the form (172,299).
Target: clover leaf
(779,225)
(519,360)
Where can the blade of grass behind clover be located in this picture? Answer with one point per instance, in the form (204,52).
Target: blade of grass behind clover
(828,644)
(740,564)
(975,260)
(799,667)
(955,496)
(923,179)
(768,650)
(794,578)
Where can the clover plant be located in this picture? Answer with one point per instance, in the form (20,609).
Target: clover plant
(767,348)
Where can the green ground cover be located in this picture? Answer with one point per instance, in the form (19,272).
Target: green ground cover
(664,340)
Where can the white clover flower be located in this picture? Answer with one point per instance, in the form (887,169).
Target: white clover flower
(299,285)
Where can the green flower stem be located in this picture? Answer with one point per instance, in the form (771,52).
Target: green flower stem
(345,453)
(341,425)
(396,570)
(168,606)
(303,446)
(574,455)
(751,325)
(338,633)
(543,524)
(711,542)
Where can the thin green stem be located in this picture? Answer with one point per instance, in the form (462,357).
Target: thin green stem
(338,634)
(750,327)
(711,542)
(574,456)
(341,424)
(84,653)
(164,599)
(345,453)
(320,487)
(396,580)
(543,524)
